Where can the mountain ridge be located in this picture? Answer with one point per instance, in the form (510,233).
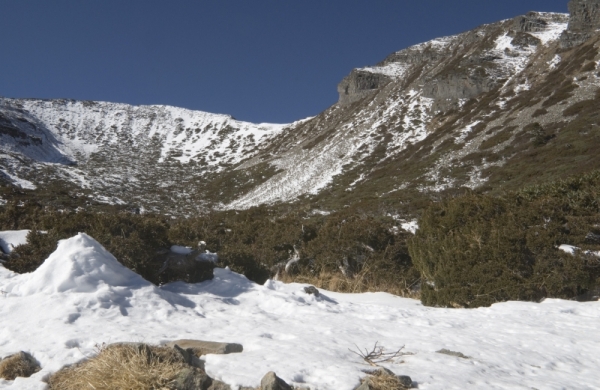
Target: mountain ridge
(464,111)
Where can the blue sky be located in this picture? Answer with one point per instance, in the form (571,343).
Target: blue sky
(258,60)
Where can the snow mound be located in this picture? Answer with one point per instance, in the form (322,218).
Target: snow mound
(79,264)
(10,239)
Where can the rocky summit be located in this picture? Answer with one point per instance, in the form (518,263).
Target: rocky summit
(493,108)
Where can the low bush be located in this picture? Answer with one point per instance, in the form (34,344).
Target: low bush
(475,250)
(133,239)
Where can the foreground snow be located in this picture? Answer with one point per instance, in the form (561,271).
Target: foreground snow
(82,296)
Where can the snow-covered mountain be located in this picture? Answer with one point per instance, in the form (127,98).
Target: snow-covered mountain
(118,151)
(494,107)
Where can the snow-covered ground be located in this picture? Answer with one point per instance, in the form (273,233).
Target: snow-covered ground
(10,239)
(81,296)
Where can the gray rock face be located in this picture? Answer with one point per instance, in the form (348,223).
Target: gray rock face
(360,84)
(451,87)
(200,347)
(523,40)
(585,15)
(272,382)
(584,20)
(529,23)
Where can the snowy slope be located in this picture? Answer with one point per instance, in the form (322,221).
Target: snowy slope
(81,296)
(84,127)
(420,83)
(116,150)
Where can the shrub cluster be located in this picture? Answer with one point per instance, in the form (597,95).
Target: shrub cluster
(256,242)
(475,250)
(133,239)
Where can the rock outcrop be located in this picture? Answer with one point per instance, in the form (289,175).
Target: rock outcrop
(585,15)
(584,20)
(359,84)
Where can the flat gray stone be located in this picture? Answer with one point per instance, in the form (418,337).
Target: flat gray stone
(200,347)
(445,351)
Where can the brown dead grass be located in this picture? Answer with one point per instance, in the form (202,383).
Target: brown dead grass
(380,380)
(360,283)
(14,367)
(122,366)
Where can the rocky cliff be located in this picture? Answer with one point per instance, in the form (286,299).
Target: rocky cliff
(583,22)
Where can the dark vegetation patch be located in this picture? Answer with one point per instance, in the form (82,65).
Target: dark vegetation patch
(370,247)
(475,250)
(539,112)
(497,138)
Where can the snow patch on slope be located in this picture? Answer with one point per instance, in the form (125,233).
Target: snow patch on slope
(184,135)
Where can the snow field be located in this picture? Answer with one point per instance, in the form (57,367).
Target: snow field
(81,296)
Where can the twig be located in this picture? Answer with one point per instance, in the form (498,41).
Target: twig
(377,354)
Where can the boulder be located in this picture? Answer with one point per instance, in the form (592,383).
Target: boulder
(183,267)
(199,347)
(272,382)
(20,364)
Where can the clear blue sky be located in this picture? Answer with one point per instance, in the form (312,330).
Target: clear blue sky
(258,60)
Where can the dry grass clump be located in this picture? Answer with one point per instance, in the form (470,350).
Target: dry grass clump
(359,283)
(17,366)
(382,380)
(122,366)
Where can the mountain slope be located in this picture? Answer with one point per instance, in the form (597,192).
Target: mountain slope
(493,108)
(121,152)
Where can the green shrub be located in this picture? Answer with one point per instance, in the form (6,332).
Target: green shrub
(475,250)
(133,239)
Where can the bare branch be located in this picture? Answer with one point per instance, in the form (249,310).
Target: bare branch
(377,354)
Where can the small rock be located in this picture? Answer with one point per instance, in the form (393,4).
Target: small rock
(191,379)
(312,290)
(218,385)
(452,353)
(405,380)
(20,364)
(365,385)
(200,347)
(272,382)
